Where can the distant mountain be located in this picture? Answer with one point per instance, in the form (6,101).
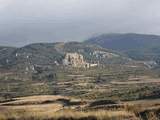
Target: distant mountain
(136,46)
(46,54)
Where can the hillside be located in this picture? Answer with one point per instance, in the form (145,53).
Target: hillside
(34,86)
(136,46)
(45,54)
(6,52)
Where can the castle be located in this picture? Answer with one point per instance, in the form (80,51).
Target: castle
(76,60)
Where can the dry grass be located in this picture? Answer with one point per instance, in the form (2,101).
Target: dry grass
(56,111)
(64,114)
(34,99)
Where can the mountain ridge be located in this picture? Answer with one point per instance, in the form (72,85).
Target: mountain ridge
(136,46)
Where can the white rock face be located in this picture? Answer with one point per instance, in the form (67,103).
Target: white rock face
(104,54)
(7,61)
(56,63)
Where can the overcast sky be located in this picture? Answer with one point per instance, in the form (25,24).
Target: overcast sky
(29,21)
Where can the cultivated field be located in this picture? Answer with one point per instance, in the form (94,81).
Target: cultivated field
(108,93)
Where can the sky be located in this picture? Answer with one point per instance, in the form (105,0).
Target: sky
(29,21)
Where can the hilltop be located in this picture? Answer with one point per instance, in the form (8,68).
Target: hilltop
(135,46)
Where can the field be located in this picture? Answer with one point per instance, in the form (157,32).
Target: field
(113,92)
(65,108)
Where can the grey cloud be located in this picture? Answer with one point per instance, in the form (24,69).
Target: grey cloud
(27,21)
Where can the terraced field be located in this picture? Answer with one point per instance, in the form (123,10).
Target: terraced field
(120,92)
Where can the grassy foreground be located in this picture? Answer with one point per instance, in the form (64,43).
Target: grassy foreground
(65,108)
(67,115)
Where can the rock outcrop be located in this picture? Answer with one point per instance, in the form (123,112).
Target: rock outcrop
(75,60)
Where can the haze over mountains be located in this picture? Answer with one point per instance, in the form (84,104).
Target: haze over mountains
(24,22)
(126,41)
